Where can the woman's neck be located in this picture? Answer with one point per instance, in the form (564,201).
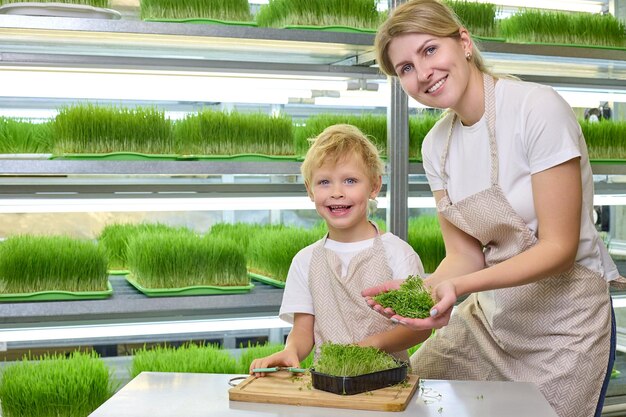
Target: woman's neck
(471,107)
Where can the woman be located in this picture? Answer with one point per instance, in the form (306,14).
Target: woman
(509,170)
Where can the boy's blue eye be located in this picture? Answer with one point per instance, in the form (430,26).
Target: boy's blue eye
(322,182)
(351,181)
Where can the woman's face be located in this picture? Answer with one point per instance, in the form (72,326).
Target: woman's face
(432,70)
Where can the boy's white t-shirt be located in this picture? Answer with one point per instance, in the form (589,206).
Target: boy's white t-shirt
(535,130)
(401,257)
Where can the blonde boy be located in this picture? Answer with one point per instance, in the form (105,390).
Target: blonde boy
(343,173)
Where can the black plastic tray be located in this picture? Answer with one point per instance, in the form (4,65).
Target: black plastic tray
(350,385)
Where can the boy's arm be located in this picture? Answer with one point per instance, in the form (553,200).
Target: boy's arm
(397,339)
(298,346)
(301,338)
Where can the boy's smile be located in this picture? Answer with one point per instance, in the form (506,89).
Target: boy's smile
(341,193)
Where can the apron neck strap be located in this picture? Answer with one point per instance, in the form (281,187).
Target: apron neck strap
(490,113)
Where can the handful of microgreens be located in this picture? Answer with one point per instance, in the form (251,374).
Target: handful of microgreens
(412,300)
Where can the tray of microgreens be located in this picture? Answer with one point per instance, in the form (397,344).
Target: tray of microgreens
(179,263)
(411,300)
(52,268)
(348,369)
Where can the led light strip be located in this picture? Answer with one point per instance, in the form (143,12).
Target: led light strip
(120,330)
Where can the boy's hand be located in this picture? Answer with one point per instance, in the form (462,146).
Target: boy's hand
(283,358)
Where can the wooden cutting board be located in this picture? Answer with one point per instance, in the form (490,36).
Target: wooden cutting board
(283,388)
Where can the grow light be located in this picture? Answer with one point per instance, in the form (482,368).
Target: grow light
(167,204)
(71,333)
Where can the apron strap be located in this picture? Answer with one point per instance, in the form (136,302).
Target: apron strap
(490,113)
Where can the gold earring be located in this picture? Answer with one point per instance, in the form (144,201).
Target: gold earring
(468,55)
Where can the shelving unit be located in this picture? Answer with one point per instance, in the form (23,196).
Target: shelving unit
(81,45)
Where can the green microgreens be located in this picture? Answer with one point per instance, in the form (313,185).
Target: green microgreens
(230,10)
(478,18)
(605,139)
(188,358)
(55,385)
(411,300)
(45,263)
(352,360)
(17,136)
(88,128)
(178,259)
(270,252)
(424,235)
(360,14)
(211,132)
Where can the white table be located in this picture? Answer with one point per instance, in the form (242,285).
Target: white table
(159,394)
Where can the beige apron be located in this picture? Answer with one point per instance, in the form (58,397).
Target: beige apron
(554,332)
(341,315)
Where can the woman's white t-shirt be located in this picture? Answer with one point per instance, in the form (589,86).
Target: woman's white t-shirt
(401,257)
(535,130)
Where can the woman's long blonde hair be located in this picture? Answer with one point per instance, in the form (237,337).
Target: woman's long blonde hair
(430,17)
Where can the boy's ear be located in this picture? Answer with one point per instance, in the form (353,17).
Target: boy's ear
(376,187)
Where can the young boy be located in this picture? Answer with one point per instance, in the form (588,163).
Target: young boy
(342,173)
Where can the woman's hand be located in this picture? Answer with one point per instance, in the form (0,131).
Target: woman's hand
(444,293)
(283,358)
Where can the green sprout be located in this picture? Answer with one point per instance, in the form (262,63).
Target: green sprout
(412,299)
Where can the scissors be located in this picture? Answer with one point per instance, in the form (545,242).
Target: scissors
(281,368)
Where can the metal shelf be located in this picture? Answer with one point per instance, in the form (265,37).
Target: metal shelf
(128,303)
(63,42)
(45,167)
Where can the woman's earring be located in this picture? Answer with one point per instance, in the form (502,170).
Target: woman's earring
(468,55)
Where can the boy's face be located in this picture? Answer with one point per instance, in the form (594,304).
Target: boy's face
(341,192)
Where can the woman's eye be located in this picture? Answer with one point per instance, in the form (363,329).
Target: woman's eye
(406,68)
(430,50)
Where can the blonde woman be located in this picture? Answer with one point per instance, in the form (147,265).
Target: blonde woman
(509,170)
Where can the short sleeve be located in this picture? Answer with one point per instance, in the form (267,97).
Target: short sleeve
(297,296)
(551,131)
(432,148)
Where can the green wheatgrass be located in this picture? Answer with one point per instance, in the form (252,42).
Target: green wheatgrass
(411,300)
(252,352)
(424,236)
(210,132)
(45,263)
(17,136)
(88,128)
(530,25)
(605,139)
(241,233)
(115,237)
(373,126)
(228,10)
(478,18)
(93,3)
(360,14)
(188,358)
(270,252)
(55,385)
(176,259)
(419,126)
(352,360)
